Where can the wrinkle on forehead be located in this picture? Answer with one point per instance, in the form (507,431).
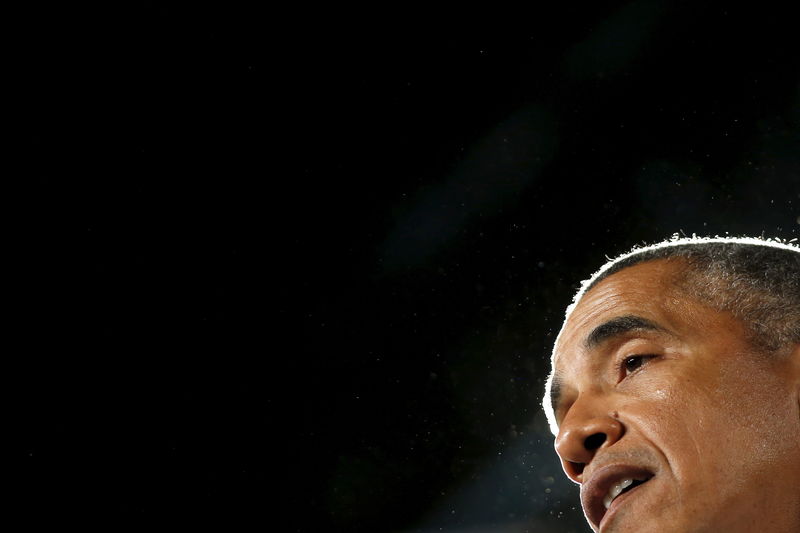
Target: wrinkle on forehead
(630,291)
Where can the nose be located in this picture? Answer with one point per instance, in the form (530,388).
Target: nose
(581,435)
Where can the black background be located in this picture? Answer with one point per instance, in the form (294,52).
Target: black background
(303,270)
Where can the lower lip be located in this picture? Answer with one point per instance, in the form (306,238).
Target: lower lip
(619,500)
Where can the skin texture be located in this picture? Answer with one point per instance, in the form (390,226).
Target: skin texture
(716,423)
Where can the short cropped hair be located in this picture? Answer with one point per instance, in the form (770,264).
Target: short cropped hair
(755,280)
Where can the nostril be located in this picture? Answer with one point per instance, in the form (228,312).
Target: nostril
(576,468)
(593,442)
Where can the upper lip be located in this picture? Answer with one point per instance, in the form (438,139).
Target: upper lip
(600,482)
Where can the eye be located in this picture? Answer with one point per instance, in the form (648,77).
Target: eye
(633,363)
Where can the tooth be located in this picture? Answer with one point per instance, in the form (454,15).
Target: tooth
(615,491)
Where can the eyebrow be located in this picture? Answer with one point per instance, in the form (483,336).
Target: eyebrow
(610,329)
(619,326)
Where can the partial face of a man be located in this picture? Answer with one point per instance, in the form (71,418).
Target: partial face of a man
(668,418)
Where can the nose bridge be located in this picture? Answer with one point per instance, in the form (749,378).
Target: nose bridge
(590,424)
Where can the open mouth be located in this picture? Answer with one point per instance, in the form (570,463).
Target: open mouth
(623,486)
(618,493)
(609,488)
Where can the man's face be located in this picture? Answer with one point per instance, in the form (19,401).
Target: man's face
(670,395)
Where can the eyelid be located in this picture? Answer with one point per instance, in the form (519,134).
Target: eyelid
(623,373)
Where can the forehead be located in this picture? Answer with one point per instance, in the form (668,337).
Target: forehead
(646,290)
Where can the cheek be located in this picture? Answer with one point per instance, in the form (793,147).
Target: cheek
(730,426)
(667,410)
(724,434)
(683,423)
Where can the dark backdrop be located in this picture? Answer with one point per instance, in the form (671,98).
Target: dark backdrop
(304,270)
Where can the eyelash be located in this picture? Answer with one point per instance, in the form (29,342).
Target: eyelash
(641,358)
